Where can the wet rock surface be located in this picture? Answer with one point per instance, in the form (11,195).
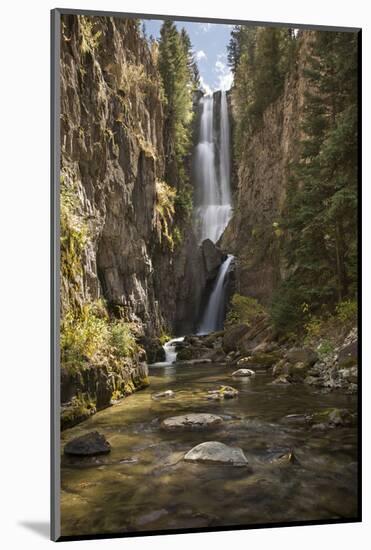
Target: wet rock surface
(243,372)
(90,444)
(192,421)
(217,453)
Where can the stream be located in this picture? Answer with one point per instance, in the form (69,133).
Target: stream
(144,483)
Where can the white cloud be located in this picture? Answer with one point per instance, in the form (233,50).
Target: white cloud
(224,73)
(200,55)
(220,66)
(205,87)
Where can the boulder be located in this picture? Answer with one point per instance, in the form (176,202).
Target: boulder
(192,421)
(282,367)
(265,360)
(215,452)
(232,335)
(348,355)
(302,355)
(90,444)
(213,258)
(299,371)
(243,372)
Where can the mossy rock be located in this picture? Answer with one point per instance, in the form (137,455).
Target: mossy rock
(265,359)
(298,371)
(185,354)
(79,409)
(333,417)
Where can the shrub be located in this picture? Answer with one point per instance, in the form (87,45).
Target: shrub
(243,309)
(347,311)
(164,210)
(122,339)
(89,335)
(74,230)
(84,335)
(89,37)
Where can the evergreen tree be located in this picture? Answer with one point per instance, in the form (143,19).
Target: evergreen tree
(321,217)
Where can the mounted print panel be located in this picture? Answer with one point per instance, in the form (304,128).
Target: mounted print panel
(205,260)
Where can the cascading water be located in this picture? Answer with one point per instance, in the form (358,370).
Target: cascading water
(213,207)
(170,352)
(213,316)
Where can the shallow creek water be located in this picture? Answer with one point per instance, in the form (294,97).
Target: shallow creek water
(144,484)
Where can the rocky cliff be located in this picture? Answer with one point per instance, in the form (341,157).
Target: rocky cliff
(254,235)
(113,244)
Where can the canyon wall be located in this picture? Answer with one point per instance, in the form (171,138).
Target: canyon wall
(254,235)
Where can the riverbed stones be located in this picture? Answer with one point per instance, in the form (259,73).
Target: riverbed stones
(192,421)
(243,373)
(215,452)
(90,444)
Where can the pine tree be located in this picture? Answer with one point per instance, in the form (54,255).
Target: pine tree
(321,217)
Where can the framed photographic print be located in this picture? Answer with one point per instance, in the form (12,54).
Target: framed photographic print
(205,253)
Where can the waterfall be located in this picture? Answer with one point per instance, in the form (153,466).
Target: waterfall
(213,207)
(213,317)
(170,351)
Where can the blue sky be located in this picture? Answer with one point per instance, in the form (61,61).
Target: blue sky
(209,42)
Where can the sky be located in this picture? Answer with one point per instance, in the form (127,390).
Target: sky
(209,42)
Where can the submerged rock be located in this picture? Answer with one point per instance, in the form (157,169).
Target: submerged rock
(243,372)
(192,421)
(195,361)
(224,392)
(90,444)
(215,452)
(330,418)
(286,458)
(163,395)
(283,379)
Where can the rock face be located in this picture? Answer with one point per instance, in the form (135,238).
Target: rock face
(111,166)
(192,421)
(88,389)
(252,235)
(215,452)
(112,163)
(90,444)
(213,258)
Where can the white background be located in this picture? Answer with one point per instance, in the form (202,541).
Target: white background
(24,272)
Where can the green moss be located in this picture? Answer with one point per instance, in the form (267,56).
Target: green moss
(80,408)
